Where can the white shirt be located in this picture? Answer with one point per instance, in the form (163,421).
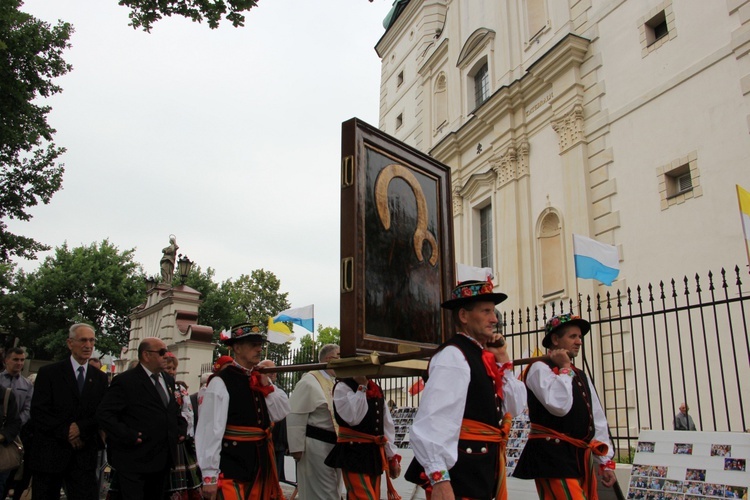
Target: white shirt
(434,434)
(213,421)
(352,407)
(555,392)
(76,365)
(162,382)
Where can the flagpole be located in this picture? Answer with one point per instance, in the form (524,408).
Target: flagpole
(315,346)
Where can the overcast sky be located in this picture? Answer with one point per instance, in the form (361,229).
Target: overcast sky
(227,138)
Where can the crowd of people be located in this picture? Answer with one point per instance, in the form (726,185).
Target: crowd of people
(228,439)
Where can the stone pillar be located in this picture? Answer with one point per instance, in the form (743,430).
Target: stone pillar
(576,188)
(171,314)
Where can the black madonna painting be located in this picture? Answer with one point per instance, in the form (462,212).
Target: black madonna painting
(397,243)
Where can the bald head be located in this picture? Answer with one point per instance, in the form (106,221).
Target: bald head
(267,363)
(152,354)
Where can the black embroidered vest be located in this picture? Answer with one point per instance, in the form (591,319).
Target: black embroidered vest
(362,458)
(549,458)
(247,408)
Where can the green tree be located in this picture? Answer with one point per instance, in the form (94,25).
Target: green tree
(144,13)
(308,351)
(251,298)
(216,310)
(30,57)
(96,284)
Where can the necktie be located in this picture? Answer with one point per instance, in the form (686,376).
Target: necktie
(160,389)
(80,379)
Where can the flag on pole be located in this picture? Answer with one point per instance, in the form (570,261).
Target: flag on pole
(744,198)
(278,333)
(595,260)
(302,316)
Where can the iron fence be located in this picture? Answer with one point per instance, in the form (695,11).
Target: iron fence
(652,348)
(649,350)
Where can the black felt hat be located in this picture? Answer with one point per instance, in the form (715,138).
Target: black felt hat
(473,291)
(556,322)
(246,332)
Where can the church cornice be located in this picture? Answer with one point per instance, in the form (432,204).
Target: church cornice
(568,52)
(515,97)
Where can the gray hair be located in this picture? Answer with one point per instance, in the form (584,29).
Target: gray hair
(326,350)
(73,328)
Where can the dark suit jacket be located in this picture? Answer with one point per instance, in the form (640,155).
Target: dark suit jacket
(55,405)
(132,405)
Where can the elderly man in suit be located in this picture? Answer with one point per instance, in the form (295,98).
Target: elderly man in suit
(63,408)
(142,421)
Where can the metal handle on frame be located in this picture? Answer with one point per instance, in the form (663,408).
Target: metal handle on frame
(347,171)
(347,274)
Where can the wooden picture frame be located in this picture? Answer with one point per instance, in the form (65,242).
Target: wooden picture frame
(397,259)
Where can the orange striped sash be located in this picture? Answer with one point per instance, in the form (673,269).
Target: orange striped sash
(472,430)
(347,435)
(593,448)
(271,488)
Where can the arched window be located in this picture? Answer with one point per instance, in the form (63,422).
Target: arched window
(551,254)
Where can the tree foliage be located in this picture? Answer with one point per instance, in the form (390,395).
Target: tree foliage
(309,348)
(144,13)
(30,57)
(254,298)
(216,310)
(250,298)
(96,284)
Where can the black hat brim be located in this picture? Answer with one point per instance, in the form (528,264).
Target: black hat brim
(584,325)
(462,301)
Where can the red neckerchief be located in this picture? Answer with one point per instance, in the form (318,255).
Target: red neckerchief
(495,372)
(490,364)
(373,391)
(256,386)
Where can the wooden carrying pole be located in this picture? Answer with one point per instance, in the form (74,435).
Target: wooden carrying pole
(396,365)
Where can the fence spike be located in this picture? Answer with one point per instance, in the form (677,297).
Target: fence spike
(737,273)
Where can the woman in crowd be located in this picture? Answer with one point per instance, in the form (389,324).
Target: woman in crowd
(184,478)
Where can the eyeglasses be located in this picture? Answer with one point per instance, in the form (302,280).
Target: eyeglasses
(86,341)
(160,352)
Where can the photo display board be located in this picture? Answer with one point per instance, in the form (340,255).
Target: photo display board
(690,465)
(396,243)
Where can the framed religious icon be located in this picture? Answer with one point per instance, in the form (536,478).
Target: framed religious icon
(396,244)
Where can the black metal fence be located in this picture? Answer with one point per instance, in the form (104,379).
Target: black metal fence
(649,350)
(652,348)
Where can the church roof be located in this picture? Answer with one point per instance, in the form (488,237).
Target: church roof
(396,10)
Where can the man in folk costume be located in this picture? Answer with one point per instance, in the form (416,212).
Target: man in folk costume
(311,431)
(364,448)
(461,428)
(569,430)
(233,438)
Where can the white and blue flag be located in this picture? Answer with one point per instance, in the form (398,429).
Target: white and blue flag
(595,260)
(302,316)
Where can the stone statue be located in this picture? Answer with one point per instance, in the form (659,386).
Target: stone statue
(169,255)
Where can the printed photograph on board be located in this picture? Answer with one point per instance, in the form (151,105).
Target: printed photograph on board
(683,449)
(721,450)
